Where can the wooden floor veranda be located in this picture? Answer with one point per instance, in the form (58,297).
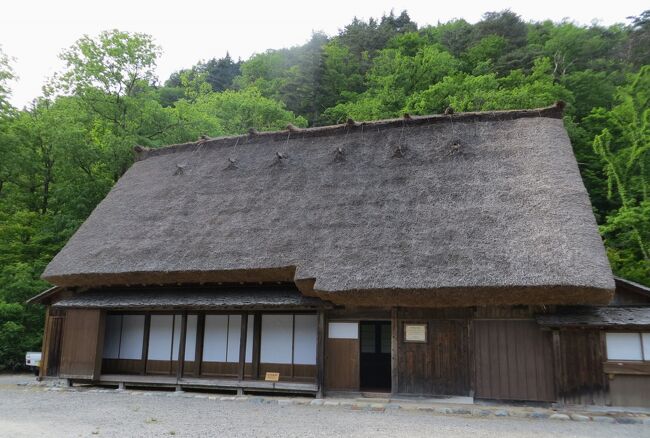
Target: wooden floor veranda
(206,383)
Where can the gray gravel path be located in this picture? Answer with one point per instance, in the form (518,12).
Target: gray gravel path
(32,412)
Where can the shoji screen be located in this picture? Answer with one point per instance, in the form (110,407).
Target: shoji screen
(124,337)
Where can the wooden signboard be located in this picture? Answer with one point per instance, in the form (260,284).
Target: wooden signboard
(415,333)
(272,377)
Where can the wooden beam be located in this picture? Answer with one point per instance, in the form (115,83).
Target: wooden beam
(627,367)
(394,351)
(320,354)
(242,346)
(257,343)
(181,346)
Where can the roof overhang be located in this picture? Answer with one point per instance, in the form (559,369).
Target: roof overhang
(598,317)
(192,298)
(44,297)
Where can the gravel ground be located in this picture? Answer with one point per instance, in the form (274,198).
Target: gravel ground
(29,411)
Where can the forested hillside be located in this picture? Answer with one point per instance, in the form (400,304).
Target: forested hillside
(60,156)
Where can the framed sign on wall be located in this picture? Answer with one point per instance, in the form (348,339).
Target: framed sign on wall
(415,333)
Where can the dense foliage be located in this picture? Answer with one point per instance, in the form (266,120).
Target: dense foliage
(61,155)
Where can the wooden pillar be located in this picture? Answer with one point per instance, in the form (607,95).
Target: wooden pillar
(242,346)
(394,351)
(145,342)
(603,352)
(320,354)
(198,352)
(257,343)
(471,358)
(181,346)
(558,369)
(99,350)
(45,346)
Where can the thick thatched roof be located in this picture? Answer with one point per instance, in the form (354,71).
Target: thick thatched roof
(192,298)
(474,208)
(621,317)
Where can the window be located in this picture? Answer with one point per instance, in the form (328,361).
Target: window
(368,338)
(628,346)
(343,330)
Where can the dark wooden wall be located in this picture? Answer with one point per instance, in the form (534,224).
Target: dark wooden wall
(580,357)
(513,361)
(439,366)
(83,340)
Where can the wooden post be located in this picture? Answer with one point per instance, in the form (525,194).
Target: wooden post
(257,343)
(558,370)
(471,358)
(603,351)
(181,347)
(99,347)
(198,352)
(320,355)
(45,346)
(145,342)
(242,346)
(394,351)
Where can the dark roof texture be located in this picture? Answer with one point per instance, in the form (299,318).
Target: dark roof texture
(624,317)
(463,209)
(203,298)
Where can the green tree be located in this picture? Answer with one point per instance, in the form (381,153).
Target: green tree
(626,160)
(465,92)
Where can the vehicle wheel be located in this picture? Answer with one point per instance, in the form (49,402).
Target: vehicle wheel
(36,371)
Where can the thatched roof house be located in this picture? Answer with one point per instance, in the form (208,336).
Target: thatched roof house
(475,208)
(439,255)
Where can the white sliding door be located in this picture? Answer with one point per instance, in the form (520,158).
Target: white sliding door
(161,334)
(305,339)
(132,337)
(112,335)
(215,338)
(222,337)
(277,339)
(190,338)
(123,337)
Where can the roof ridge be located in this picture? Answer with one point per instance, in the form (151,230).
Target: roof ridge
(554,111)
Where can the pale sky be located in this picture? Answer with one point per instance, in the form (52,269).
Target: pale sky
(34,32)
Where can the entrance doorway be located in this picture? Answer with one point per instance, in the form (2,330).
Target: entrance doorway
(374,367)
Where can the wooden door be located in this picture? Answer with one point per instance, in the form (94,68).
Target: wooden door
(513,361)
(342,356)
(374,363)
(439,366)
(53,347)
(83,340)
